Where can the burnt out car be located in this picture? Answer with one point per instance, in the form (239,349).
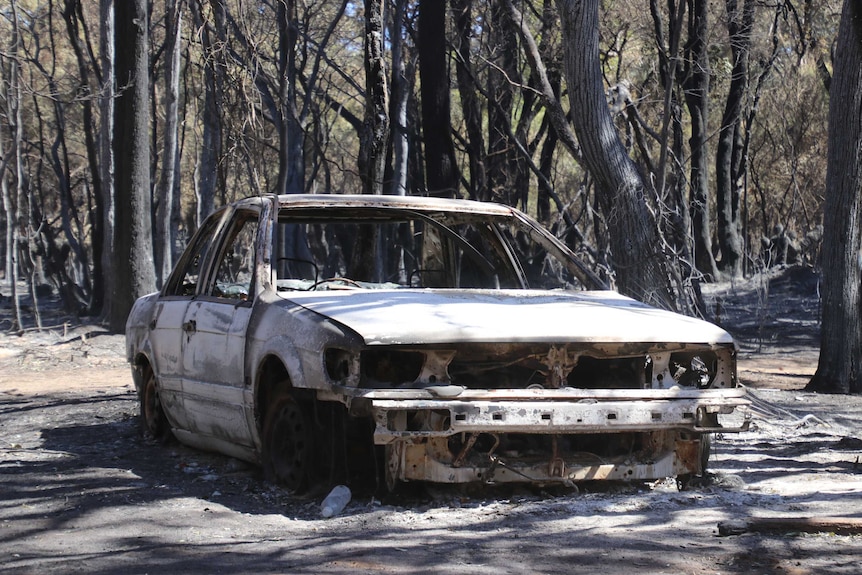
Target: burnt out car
(316,335)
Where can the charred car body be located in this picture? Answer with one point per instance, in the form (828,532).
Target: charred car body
(298,331)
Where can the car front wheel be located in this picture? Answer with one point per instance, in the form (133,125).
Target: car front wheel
(287,444)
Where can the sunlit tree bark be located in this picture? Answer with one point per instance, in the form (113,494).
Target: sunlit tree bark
(400,94)
(106,155)
(166,229)
(638,260)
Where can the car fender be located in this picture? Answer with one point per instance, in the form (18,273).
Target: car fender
(294,335)
(137,329)
(281,348)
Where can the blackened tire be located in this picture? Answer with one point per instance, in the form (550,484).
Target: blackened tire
(154,422)
(288,442)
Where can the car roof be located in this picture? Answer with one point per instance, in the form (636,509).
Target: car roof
(418,203)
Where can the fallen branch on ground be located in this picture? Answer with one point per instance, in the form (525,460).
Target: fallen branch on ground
(837,525)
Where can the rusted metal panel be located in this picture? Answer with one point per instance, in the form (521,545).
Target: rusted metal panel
(416,461)
(688,452)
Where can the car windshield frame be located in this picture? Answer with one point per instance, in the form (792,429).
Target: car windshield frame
(490,248)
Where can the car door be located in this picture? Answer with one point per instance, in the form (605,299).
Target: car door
(167,323)
(215,326)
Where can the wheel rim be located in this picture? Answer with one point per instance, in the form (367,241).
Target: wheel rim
(289,445)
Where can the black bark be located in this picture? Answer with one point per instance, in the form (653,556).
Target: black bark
(372,151)
(441,169)
(730,163)
(106,155)
(291,160)
(501,167)
(210,151)
(74,17)
(695,85)
(840,367)
(133,271)
(470,104)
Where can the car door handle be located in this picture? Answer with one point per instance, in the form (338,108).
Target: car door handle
(190,326)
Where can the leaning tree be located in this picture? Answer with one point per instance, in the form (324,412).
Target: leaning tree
(640,264)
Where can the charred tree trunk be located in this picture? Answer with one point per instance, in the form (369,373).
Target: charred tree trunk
(210,150)
(639,263)
(547,80)
(730,163)
(8,205)
(17,219)
(291,160)
(400,95)
(501,98)
(10,215)
(373,140)
(166,232)
(106,156)
(470,105)
(372,150)
(74,18)
(840,367)
(133,256)
(670,180)
(695,85)
(550,57)
(441,170)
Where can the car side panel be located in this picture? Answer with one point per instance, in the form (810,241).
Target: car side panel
(167,340)
(214,380)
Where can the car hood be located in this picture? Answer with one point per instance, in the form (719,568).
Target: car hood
(390,317)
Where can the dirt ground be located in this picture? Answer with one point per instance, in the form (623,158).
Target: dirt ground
(82,492)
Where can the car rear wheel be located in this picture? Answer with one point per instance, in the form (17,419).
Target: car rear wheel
(287,444)
(153,418)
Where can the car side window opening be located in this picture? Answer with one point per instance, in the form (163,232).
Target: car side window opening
(235,273)
(186,276)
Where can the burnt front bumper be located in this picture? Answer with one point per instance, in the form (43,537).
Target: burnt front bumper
(565,435)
